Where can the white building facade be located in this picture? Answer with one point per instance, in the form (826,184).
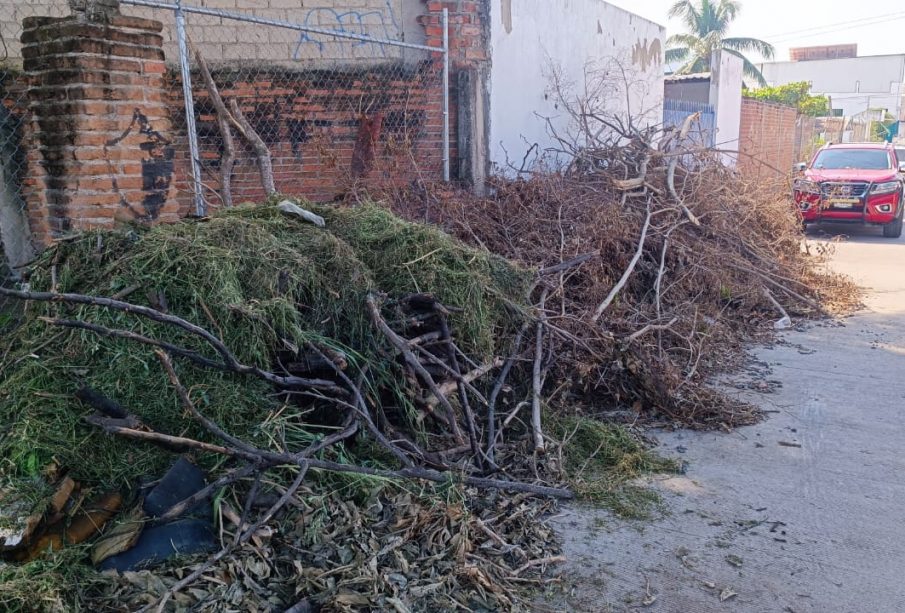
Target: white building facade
(546,54)
(854,85)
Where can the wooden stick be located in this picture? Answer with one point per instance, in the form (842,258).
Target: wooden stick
(138,338)
(181,443)
(537,382)
(411,359)
(231,363)
(260,147)
(628,271)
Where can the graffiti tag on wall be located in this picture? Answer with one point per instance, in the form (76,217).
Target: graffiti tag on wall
(375,23)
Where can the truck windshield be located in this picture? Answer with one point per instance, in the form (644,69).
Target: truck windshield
(867,159)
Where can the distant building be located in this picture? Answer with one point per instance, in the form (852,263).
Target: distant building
(830,52)
(854,84)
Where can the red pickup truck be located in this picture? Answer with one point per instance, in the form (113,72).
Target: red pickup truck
(854,183)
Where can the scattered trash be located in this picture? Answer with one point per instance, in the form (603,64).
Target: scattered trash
(49,513)
(734,560)
(726,594)
(139,542)
(789,444)
(290,208)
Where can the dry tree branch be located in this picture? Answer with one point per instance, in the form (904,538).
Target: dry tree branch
(628,271)
(257,143)
(224,119)
(230,362)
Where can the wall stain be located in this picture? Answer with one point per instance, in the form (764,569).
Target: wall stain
(156,168)
(646,55)
(506,6)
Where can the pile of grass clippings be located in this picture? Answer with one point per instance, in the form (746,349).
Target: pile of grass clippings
(260,280)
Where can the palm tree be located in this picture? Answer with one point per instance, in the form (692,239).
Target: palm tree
(708,23)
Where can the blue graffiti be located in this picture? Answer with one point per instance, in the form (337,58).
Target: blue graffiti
(383,25)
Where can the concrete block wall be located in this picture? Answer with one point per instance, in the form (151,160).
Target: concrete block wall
(767,140)
(229,40)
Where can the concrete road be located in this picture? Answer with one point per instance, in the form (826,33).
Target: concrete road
(802,513)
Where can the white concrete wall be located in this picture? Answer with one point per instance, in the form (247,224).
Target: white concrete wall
(854,84)
(532,38)
(727,73)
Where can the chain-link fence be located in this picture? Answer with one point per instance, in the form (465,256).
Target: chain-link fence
(335,100)
(14,234)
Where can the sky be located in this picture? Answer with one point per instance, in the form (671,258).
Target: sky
(877,26)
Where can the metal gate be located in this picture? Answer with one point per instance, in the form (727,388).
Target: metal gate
(703,133)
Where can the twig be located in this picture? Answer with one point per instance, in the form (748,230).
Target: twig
(649,328)
(540,562)
(260,147)
(563,266)
(537,383)
(498,387)
(403,347)
(628,271)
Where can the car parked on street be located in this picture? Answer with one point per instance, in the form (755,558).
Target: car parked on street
(861,183)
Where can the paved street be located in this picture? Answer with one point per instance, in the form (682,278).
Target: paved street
(802,513)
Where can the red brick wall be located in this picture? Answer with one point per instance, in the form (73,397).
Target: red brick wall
(97,125)
(328,131)
(767,139)
(105,126)
(314,121)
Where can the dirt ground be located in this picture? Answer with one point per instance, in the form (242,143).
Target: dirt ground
(803,513)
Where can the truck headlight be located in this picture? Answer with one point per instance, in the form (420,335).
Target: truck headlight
(805,186)
(885,188)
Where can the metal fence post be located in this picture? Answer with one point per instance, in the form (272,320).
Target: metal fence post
(446,156)
(185,69)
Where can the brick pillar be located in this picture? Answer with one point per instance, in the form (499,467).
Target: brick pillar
(100,146)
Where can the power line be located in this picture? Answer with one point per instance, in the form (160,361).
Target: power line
(850,22)
(853,26)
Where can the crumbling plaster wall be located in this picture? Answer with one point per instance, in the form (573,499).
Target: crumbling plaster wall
(530,39)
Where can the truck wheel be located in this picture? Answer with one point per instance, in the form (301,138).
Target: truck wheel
(894,228)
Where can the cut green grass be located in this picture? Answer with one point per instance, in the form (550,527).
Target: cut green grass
(254,277)
(602,461)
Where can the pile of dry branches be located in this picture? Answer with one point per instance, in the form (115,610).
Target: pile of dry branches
(657,263)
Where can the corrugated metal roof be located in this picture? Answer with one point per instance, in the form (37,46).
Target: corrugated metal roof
(696,76)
